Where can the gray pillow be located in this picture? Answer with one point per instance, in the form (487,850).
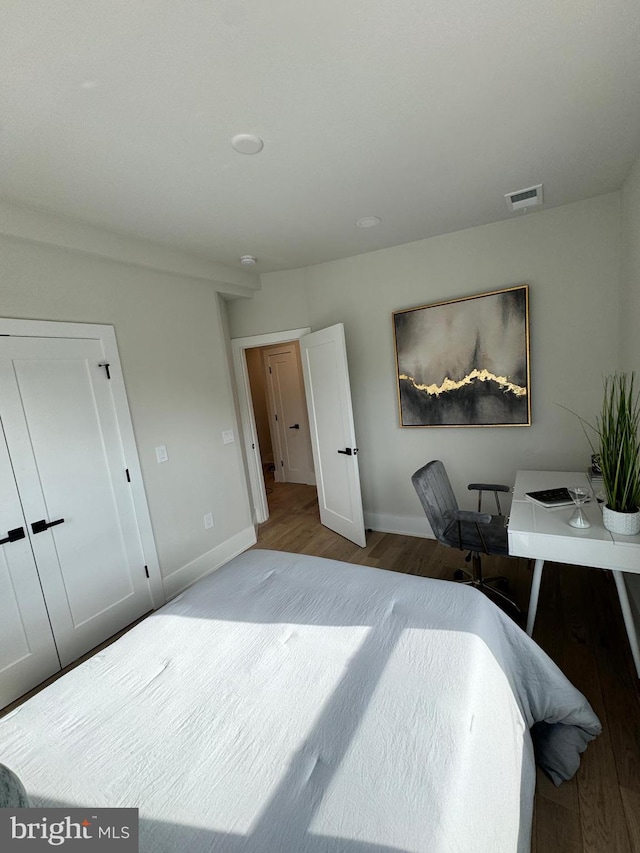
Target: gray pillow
(12,792)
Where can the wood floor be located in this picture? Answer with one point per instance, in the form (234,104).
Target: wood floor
(579,625)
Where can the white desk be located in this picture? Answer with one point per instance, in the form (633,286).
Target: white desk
(544,534)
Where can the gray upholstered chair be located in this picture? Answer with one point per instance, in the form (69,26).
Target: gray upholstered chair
(476,532)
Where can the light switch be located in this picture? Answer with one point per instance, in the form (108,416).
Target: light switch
(227,436)
(161,454)
(208,521)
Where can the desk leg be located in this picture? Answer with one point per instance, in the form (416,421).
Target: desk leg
(535,592)
(628,618)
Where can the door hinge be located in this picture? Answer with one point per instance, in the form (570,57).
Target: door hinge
(146,571)
(105,364)
(269,370)
(253,447)
(282,463)
(276,417)
(126,471)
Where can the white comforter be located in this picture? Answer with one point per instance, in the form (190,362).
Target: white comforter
(289,704)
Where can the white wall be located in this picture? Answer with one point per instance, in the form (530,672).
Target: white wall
(630,306)
(570,257)
(283,306)
(630,291)
(172,348)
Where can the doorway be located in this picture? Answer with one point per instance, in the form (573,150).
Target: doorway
(280,412)
(330,419)
(259,440)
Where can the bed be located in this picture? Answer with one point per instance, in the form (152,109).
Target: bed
(291,704)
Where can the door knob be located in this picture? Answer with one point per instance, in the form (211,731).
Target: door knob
(42,525)
(13,535)
(295,426)
(346,452)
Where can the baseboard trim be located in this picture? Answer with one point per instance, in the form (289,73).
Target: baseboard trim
(404,525)
(187,575)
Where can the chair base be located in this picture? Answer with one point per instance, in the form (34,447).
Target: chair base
(481,583)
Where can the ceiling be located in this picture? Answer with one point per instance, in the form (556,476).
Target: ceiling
(421,112)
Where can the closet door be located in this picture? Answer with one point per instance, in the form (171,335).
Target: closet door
(27,650)
(64,442)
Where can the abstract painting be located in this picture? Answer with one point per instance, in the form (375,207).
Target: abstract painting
(465,362)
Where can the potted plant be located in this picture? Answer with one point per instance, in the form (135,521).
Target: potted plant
(615,437)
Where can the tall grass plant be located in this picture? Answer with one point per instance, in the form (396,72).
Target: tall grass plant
(616,438)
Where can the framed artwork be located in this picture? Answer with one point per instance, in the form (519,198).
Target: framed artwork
(465,362)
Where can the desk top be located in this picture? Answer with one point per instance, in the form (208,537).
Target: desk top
(540,533)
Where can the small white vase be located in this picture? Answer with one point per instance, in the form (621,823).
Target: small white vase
(624,523)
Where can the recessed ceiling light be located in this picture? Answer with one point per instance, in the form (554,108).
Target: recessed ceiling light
(368,222)
(247,143)
(248,260)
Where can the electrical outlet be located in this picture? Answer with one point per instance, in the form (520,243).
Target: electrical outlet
(227,436)
(161,453)
(208,521)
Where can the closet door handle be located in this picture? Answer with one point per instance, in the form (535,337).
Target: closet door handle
(42,525)
(295,426)
(13,535)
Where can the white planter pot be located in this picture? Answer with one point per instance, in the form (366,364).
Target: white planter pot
(624,523)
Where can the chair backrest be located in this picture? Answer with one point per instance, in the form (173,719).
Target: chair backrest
(436,496)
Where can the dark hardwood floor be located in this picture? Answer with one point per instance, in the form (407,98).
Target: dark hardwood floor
(579,624)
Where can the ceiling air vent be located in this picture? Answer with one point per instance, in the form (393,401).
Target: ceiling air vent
(524,199)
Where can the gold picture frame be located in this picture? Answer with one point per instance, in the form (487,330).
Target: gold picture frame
(465,362)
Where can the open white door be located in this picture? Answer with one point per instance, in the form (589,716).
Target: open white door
(326,379)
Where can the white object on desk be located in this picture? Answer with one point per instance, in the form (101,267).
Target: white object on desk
(541,534)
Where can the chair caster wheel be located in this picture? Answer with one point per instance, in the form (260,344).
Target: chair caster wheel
(458,575)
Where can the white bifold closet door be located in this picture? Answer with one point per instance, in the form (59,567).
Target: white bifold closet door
(27,651)
(68,467)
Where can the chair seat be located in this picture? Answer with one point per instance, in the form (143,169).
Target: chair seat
(494,536)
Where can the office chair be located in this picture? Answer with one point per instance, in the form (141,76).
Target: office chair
(475,532)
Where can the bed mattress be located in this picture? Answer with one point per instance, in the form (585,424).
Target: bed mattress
(290,704)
